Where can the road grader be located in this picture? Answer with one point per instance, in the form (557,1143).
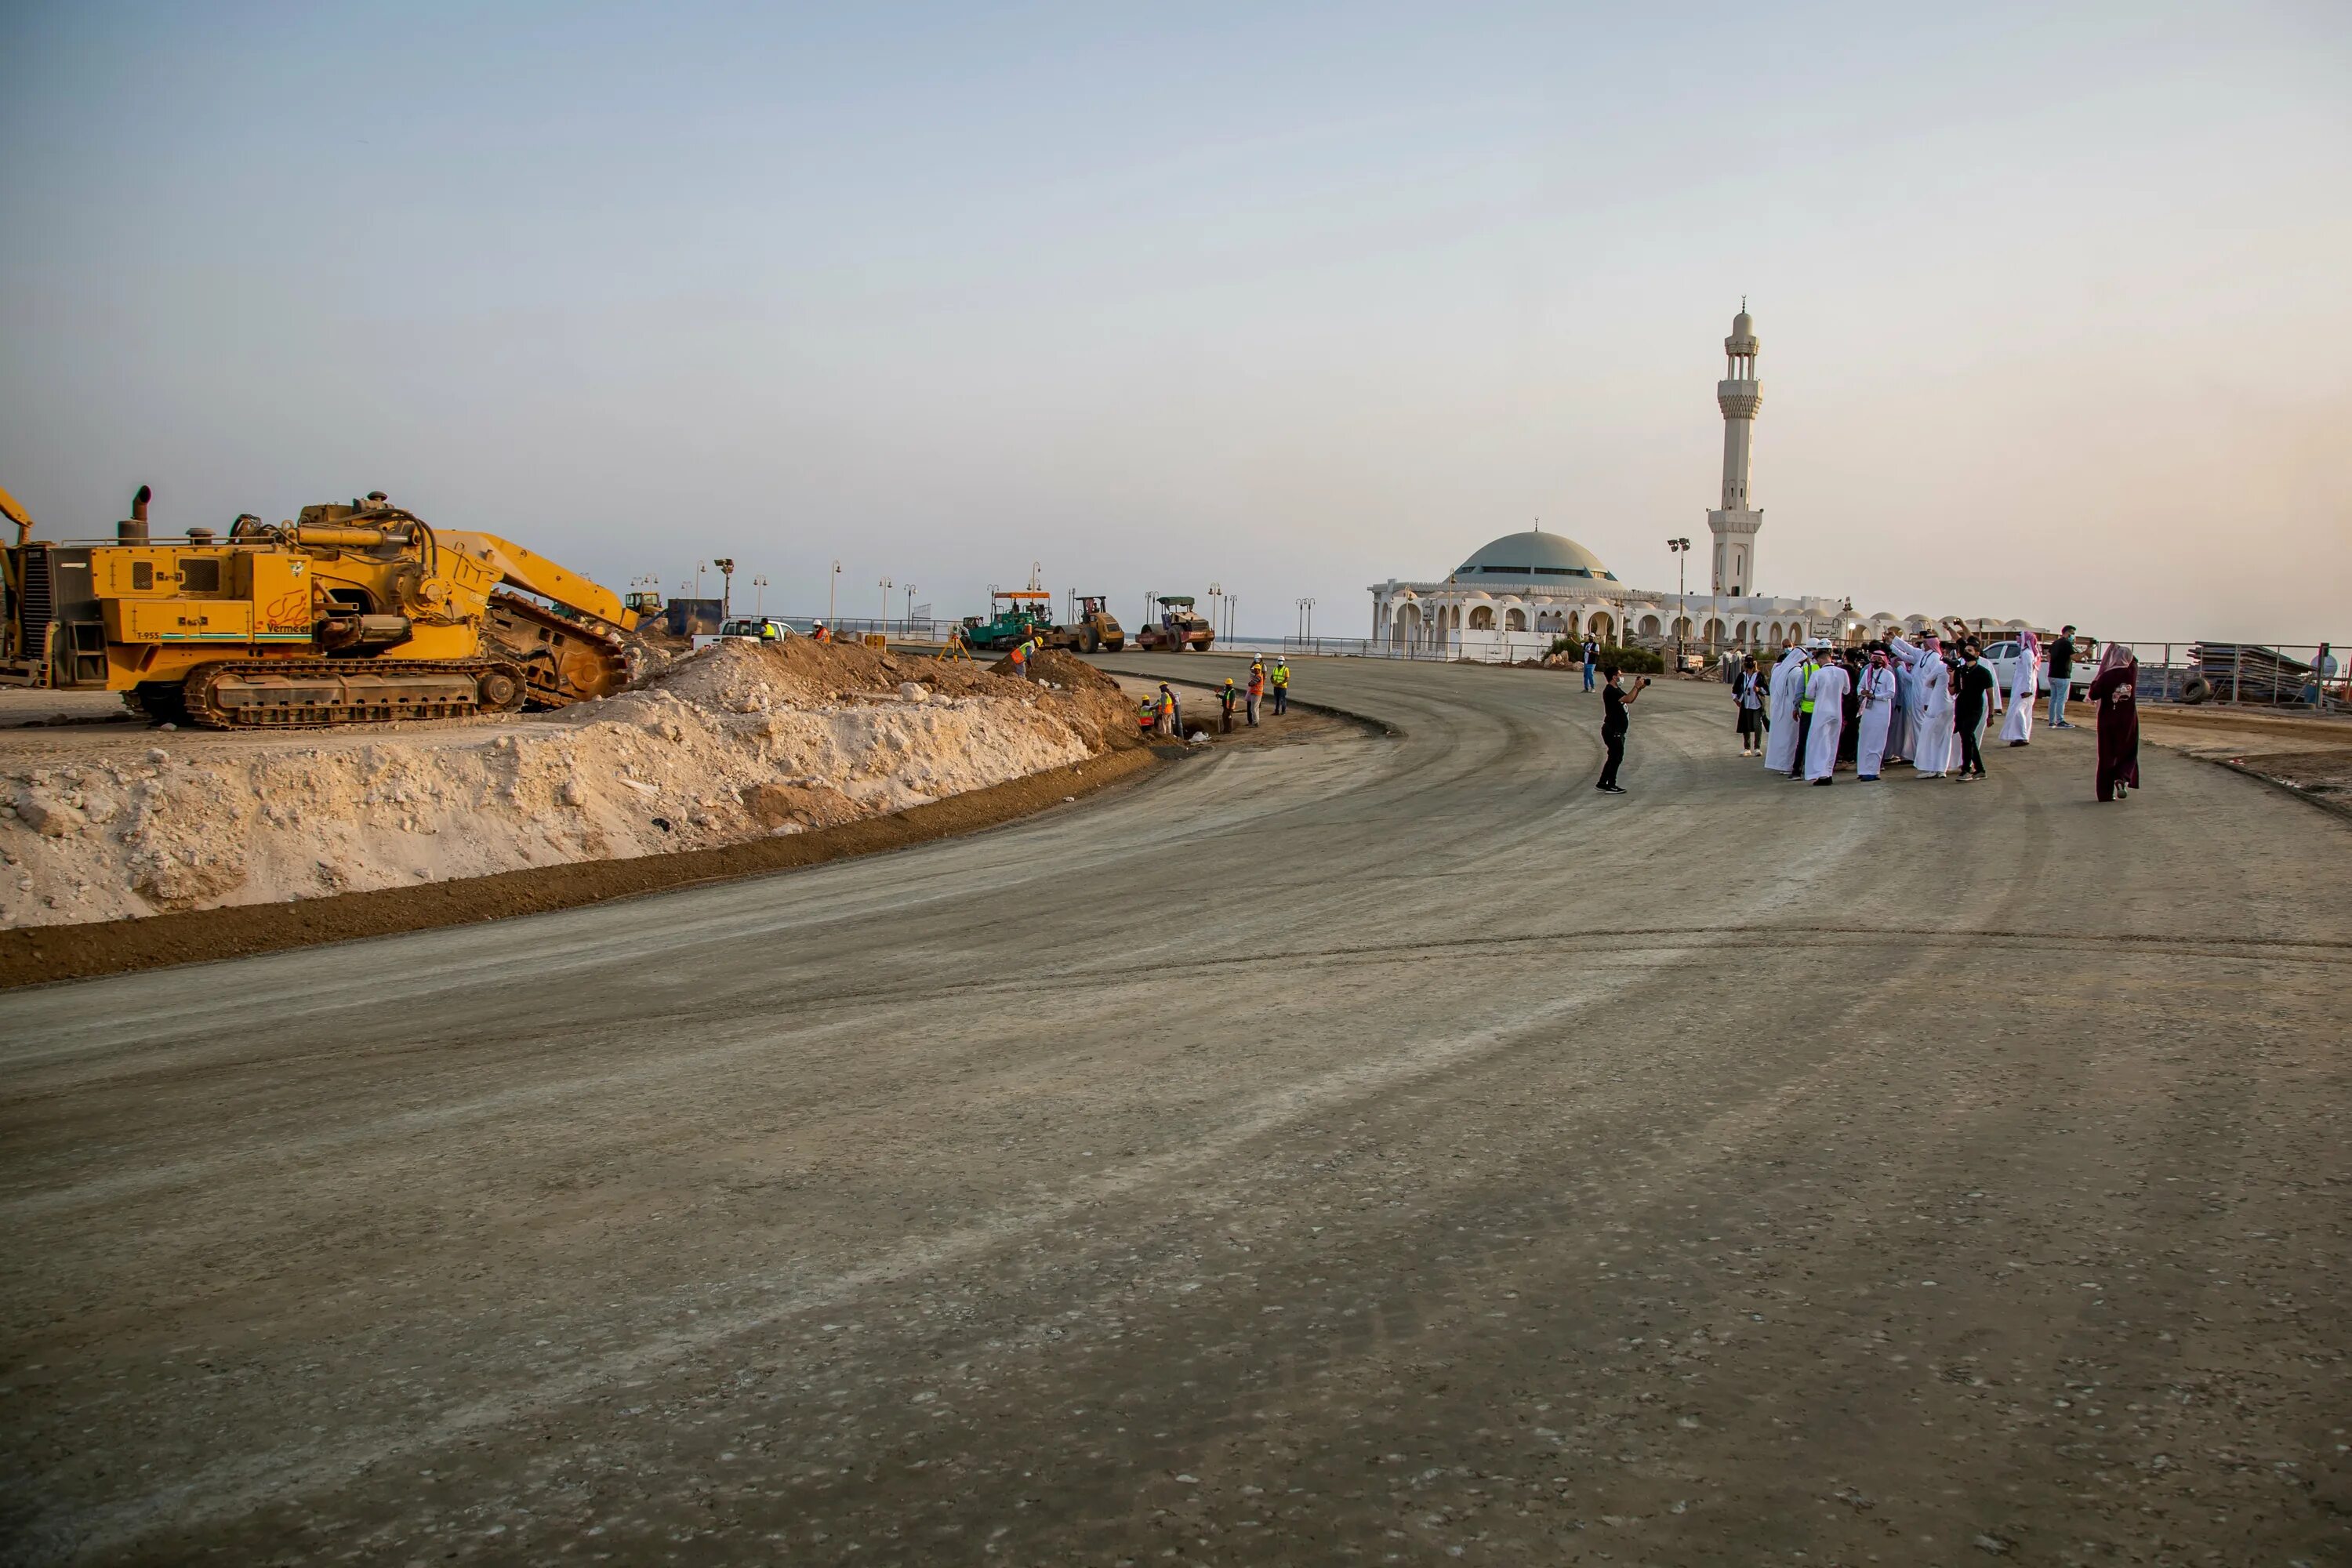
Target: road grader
(346,614)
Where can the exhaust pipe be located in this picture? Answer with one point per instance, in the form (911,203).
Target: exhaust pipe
(133,530)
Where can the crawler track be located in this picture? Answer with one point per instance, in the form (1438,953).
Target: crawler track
(295,693)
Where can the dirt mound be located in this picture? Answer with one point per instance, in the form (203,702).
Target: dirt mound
(737,742)
(1075,690)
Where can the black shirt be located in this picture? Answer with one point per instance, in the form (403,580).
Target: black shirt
(1976,685)
(1613,717)
(2061,659)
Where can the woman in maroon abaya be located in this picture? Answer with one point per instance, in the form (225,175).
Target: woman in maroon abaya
(2112,691)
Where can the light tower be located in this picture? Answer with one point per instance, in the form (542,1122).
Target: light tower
(1739,395)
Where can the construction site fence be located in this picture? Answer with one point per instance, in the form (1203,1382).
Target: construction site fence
(2307,676)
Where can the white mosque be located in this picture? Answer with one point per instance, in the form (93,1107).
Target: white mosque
(1514,596)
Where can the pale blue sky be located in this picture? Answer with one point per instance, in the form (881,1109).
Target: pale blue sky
(2053,300)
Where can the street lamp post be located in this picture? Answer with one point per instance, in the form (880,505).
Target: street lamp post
(887,585)
(910,609)
(759,595)
(1681,547)
(726,565)
(831,590)
(700,568)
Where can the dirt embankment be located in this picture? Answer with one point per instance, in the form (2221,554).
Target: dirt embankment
(2308,755)
(742,743)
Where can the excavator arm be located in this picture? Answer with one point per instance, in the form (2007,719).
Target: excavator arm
(535,574)
(15,512)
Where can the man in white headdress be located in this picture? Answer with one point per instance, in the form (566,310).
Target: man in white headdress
(1933,737)
(1788,686)
(1907,703)
(2024,686)
(1827,692)
(1878,709)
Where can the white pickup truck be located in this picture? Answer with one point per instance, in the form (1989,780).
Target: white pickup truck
(2002,657)
(744,629)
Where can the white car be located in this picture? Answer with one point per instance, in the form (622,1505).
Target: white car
(2002,657)
(744,629)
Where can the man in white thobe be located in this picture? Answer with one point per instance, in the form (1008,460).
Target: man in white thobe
(1906,704)
(2025,686)
(1878,709)
(1933,739)
(1788,687)
(1826,690)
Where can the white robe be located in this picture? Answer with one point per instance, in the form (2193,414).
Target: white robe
(1827,688)
(1877,716)
(2019,725)
(1905,703)
(1788,685)
(1934,740)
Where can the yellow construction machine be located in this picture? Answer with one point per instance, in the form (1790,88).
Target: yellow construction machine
(346,614)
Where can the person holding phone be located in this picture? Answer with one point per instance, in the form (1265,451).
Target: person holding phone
(1614,701)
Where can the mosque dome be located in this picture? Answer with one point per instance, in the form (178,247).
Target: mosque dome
(1743,325)
(1534,559)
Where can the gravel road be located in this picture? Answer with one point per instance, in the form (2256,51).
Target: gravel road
(1384,1150)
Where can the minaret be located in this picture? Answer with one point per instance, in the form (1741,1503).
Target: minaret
(1735,523)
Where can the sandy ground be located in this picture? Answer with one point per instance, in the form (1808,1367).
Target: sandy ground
(2309,754)
(1381,1152)
(102,823)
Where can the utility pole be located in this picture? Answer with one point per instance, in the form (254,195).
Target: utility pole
(1681,547)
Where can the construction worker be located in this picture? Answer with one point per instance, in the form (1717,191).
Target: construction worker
(1281,687)
(1147,715)
(1171,711)
(1229,696)
(768,632)
(823,633)
(1257,689)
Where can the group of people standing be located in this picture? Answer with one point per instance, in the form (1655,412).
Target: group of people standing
(1899,702)
(1160,713)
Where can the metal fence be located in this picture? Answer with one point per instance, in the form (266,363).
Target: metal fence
(921,628)
(2295,677)
(1436,647)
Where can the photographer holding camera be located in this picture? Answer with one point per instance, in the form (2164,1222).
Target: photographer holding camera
(1614,701)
